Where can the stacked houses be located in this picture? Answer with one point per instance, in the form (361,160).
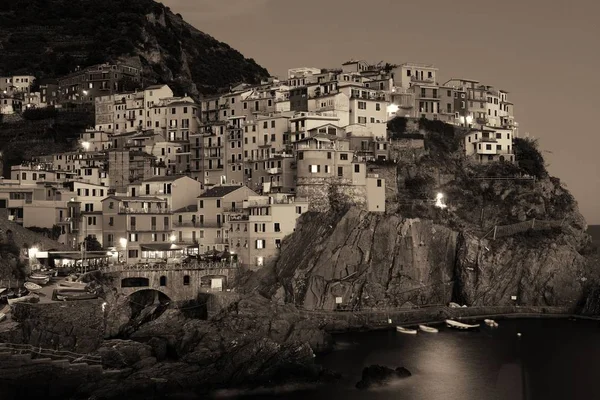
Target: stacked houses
(161,175)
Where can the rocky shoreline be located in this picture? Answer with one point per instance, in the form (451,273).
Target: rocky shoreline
(251,345)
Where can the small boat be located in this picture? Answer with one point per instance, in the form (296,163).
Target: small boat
(73,285)
(428,329)
(406,330)
(22,299)
(450,323)
(72,295)
(32,286)
(39,279)
(491,322)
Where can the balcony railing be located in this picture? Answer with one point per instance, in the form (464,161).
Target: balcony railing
(131,210)
(188,224)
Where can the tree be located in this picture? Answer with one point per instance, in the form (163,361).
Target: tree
(92,244)
(529,157)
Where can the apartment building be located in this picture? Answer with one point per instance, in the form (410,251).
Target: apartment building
(273,174)
(126,167)
(10,104)
(486,145)
(212,208)
(187,228)
(84,85)
(325,164)
(49,92)
(94,141)
(178,190)
(257,230)
(84,214)
(213,153)
(140,228)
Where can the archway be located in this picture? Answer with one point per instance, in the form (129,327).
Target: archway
(135,282)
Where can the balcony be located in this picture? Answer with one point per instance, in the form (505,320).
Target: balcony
(425,80)
(214,145)
(132,210)
(274,171)
(213,155)
(214,167)
(188,224)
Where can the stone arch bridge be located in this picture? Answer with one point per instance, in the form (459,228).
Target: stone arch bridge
(179,282)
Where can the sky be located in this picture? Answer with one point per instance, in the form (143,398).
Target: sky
(545,54)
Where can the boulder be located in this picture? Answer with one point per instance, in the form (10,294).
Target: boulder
(123,353)
(377,375)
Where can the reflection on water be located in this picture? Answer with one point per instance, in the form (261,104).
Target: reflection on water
(554,359)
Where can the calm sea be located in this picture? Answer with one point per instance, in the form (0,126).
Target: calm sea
(553,359)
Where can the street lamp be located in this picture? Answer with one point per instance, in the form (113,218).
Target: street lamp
(439,201)
(85,145)
(172,238)
(123,242)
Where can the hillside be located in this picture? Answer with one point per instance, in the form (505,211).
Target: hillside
(418,254)
(49,38)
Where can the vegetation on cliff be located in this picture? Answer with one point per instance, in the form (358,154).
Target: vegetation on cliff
(49,38)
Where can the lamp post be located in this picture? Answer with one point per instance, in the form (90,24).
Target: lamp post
(123,242)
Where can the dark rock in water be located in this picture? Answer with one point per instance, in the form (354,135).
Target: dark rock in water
(377,375)
(124,353)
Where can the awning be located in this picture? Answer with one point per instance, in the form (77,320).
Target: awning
(160,247)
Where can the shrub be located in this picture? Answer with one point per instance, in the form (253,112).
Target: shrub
(420,186)
(529,157)
(397,126)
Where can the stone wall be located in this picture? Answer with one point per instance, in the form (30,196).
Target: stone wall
(407,150)
(321,191)
(74,326)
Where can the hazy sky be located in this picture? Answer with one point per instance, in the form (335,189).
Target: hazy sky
(546,54)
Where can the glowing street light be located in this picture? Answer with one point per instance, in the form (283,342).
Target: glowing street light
(392,108)
(85,92)
(172,238)
(33,252)
(85,145)
(123,243)
(439,201)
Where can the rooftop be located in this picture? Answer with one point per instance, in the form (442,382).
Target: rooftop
(191,208)
(220,191)
(166,178)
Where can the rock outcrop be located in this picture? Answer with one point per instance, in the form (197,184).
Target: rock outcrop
(360,260)
(377,376)
(366,260)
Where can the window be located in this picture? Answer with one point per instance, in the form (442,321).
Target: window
(378,182)
(344,156)
(201,203)
(111,221)
(186,280)
(313,169)
(276,227)
(340,171)
(300,155)
(362,105)
(163,281)
(362,120)
(377,107)
(166,223)
(218,203)
(260,243)
(356,168)
(132,222)
(488,146)
(133,237)
(498,147)
(329,155)
(298,210)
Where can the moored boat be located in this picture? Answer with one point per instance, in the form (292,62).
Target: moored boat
(32,286)
(72,295)
(406,330)
(428,329)
(491,323)
(450,323)
(22,299)
(39,279)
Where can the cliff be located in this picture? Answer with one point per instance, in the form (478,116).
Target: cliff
(50,38)
(510,235)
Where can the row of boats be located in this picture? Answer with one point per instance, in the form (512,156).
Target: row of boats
(450,323)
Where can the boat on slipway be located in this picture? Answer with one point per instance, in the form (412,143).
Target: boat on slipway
(491,323)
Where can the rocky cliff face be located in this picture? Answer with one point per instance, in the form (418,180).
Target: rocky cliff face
(366,260)
(374,261)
